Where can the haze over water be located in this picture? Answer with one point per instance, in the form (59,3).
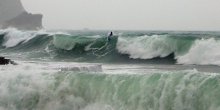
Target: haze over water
(74,64)
(128,14)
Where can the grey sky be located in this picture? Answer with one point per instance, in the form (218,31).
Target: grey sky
(128,14)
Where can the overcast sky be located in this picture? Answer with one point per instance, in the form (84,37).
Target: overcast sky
(128,14)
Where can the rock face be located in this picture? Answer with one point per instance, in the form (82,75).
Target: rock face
(4,61)
(25,21)
(13,14)
(9,9)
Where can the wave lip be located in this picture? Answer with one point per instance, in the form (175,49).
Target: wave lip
(203,52)
(14,37)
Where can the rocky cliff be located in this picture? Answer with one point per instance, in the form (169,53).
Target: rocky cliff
(13,14)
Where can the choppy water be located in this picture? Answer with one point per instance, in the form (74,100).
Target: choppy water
(78,70)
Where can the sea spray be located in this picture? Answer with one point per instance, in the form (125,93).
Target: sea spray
(148,47)
(32,87)
(204,52)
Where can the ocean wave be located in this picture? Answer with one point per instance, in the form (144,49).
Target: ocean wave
(203,52)
(68,42)
(13,37)
(95,47)
(31,87)
(148,47)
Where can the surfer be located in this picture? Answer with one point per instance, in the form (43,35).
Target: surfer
(110,36)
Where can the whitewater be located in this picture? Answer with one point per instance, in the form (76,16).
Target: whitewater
(135,70)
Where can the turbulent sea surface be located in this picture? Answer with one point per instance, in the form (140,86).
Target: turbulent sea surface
(135,70)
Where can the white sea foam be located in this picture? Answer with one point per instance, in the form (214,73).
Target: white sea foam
(145,47)
(203,52)
(29,86)
(81,67)
(59,33)
(94,37)
(13,37)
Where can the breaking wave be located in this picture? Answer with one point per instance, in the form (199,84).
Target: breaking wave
(190,48)
(23,89)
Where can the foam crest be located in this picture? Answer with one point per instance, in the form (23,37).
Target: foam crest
(203,52)
(146,47)
(13,37)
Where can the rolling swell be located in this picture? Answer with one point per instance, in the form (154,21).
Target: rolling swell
(147,48)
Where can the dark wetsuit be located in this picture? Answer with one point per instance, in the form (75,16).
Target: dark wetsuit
(110,35)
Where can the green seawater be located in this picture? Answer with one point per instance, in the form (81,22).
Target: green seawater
(177,90)
(135,70)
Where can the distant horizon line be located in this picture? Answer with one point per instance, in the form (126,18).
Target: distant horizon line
(90,29)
